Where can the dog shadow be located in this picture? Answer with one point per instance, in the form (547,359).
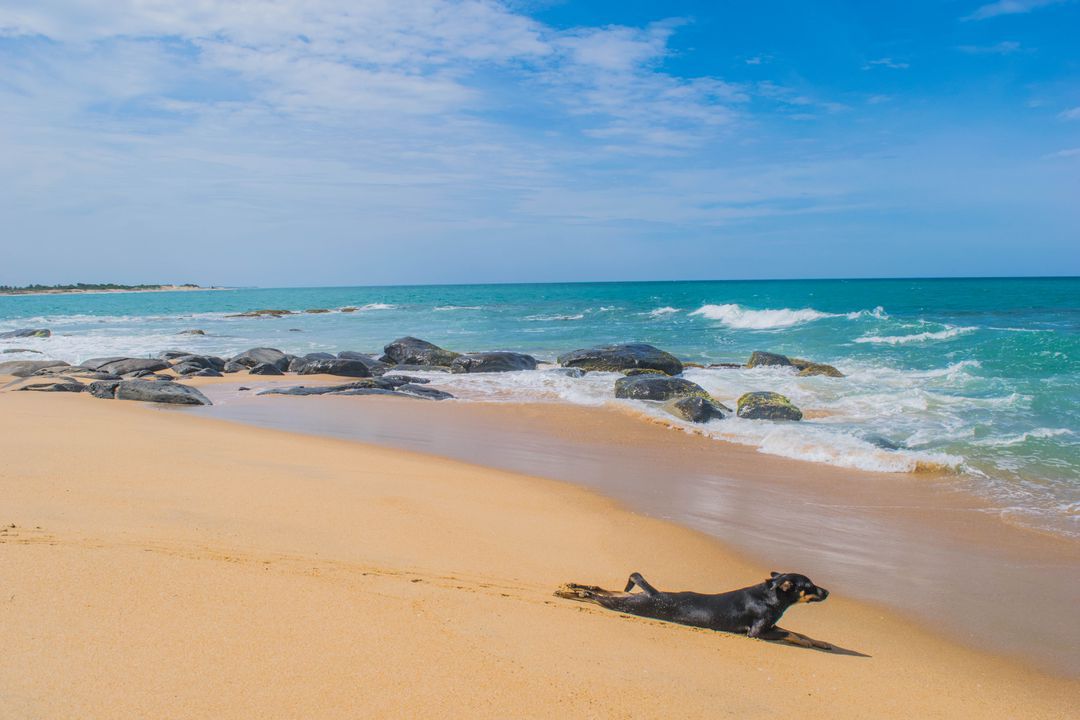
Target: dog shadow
(780,636)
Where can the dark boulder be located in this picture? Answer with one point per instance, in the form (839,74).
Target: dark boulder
(59,383)
(26,368)
(570,372)
(316,311)
(347,368)
(232,367)
(492,362)
(767,406)
(725,366)
(255,356)
(398,380)
(426,393)
(205,372)
(760,358)
(192,332)
(808,368)
(419,368)
(126,366)
(104,389)
(413,351)
(25,333)
(349,309)
(642,371)
(160,392)
(696,409)
(656,387)
(263,313)
(98,363)
(265,369)
(615,358)
(296,363)
(174,354)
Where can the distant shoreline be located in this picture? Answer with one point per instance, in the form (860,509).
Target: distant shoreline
(104,291)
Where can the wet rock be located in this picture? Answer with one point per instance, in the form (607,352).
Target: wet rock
(347,368)
(265,369)
(243,389)
(760,358)
(365,384)
(492,362)
(104,389)
(377,367)
(184,364)
(413,351)
(12,351)
(656,387)
(160,392)
(125,366)
(316,311)
(405,379)
(643,371)
(26,333)
(295,330)
(192,332)
(696,409)
(255,356)
(173,354)
(426,393)
(26,368)
(767,406)
(419,368)
(725,366)
(296,363)
(616,358)
(75,371)
(807,368)
(368,391)
(205,372)
(262,313)
(883,442)
(232,367)
(98,363)
(570,372)
(349,309)
(59,383)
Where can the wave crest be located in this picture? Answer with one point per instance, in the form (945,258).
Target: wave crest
(946,334)
(736,316)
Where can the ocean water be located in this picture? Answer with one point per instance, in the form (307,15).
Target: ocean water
(979,377)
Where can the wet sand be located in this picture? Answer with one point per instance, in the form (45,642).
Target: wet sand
(914,543)
(155,563)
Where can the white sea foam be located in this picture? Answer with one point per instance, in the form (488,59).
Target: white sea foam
(736,316)
(448,308)
(946,334)
(375,306)
(542,318)
(661,312)
(1037,433)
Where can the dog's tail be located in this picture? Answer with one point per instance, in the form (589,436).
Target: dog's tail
(583,593)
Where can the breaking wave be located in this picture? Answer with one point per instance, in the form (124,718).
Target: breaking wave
(946,334)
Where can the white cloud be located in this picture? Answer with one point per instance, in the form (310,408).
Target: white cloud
(887,63)
(1008,7)
(1006,47)
(1070,114)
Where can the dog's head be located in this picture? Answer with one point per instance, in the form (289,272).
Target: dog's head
(795,588)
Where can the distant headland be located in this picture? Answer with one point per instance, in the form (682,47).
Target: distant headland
(97,288)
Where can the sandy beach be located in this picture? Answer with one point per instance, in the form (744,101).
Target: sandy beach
(155,563)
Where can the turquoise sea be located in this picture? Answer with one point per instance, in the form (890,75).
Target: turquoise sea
(981,376)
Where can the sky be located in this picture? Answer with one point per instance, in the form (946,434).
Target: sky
(354,142)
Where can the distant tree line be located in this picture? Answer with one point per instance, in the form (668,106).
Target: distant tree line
(85,286)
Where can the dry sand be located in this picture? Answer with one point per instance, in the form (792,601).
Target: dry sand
(164,565)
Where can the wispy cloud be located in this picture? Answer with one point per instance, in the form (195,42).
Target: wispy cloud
(1008,7)
(886,63)
(1070,114)
(1067,153)
(1006,47)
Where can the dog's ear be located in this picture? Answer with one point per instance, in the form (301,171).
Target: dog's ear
(773,574)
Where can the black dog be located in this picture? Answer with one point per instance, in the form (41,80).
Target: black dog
(753,610)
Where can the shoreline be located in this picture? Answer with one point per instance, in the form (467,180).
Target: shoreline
(357,570)
(866,530)
(163,288)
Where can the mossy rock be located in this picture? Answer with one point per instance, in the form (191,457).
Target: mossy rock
(316,311)
(696,409)
(767,406)
(642,371)
(819,369)
(657,387)
(760,358)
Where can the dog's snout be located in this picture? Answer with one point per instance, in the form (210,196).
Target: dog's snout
(822,593)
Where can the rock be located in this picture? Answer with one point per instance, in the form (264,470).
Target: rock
(685,365)
(232,367)
(243,389)
(725,366)
(160,392)
(377,367)
(205,372)
(349,309)
(570,372)
(405,379)
(296,363)
(760,358)
(615,358)
(883,442)
(25,333)
(193,363)
(98,363)
(124,366)
(696,409)
(365,384)
(807,368)
(316,311)
(368,391)
(254,356)
(656,387)
(192,332)
(424,392)
(419,368)
(347,368)
(26,368)
(12,351)
(104,389)
(79,372)
(59,383)
(492,362)
(643,371)
(413,351)
(295,330)
(767,406)
(173,354)
(263,313)
(264,369)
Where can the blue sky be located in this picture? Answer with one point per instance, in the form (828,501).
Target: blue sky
(334,142)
